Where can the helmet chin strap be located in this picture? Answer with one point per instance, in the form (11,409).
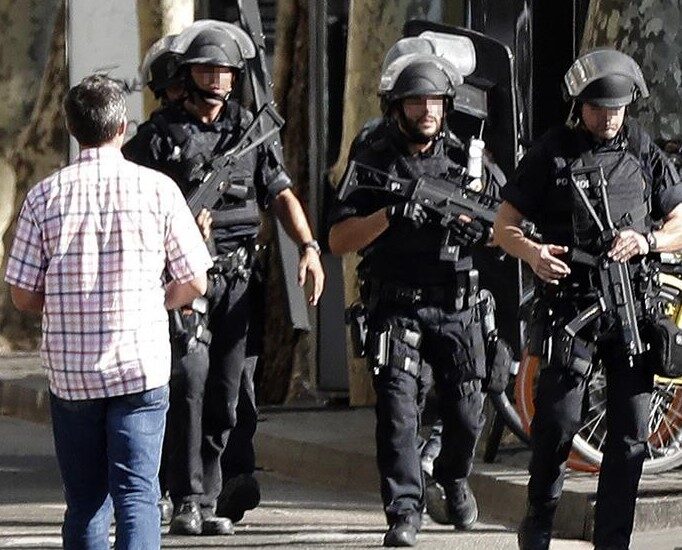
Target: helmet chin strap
(194,90)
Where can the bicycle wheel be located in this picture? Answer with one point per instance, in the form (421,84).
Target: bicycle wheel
(524,394)
(664,445)
(510,415)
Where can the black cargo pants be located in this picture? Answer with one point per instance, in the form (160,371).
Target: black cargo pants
(449,353)
(561,398)
(205,388)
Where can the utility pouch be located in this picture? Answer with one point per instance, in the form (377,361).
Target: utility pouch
(572,353)
(356,319)
(537,327)
(379,349)
(498,354)
(665,346)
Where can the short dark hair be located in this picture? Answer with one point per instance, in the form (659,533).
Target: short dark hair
(95,110)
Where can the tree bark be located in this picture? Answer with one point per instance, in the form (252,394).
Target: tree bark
(649,32)
(41,148)
(24,44)
(373,27)
(287,369)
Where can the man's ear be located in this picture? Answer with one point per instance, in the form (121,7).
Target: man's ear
(122,128)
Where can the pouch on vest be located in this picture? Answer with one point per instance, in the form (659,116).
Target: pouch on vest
(498,354)
(572,353)
(356,319)
(665,346)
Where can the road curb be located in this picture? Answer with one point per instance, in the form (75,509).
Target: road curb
(341,455)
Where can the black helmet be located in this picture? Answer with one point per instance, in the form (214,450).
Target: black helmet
(163,72)
(605,77)
(422,78)
(213,47)
(418,74)
(612,91)
(159,68)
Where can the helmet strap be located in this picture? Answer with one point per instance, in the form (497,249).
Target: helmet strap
(194,91)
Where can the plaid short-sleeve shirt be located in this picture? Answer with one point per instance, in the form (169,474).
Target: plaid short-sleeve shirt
(99,238)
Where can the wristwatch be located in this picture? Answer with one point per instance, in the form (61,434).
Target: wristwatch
(310,244)
(651,241)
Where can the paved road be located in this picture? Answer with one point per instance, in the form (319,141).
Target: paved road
(291,516)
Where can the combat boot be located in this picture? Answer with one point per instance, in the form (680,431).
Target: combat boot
(212,525)
(535,531)
(165,509)
(461,504)
(186,519)
(240,493)
(436,501)
(402,532)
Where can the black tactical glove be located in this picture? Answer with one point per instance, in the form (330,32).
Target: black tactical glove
(469,233)
(411,211)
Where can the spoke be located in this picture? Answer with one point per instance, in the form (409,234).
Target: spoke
(601,442)
(596,424)
(599,404)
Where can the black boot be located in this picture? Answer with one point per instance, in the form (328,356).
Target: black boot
(186,519)
(461,504)
(401,533)
(436,501)
(240,493)
(212,525)
(165,509)
(535,531)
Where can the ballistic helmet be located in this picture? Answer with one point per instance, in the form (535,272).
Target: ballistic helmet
(159,68)
(429,64)
(606,78)
(209,42)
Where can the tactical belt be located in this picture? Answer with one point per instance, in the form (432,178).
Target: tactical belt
(236,263)
(460,295)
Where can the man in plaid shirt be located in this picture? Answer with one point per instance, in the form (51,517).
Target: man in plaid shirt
(94,244)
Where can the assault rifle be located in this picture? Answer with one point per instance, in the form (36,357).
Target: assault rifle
(615,291)
(447,198)
(218,191)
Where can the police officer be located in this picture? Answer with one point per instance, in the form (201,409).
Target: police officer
(641,182)
(159,71)
(210,340)
(419,298)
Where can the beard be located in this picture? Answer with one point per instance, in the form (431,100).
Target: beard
(413,131)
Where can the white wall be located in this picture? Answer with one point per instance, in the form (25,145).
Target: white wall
(103,36)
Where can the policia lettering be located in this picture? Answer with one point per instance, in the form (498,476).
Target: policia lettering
(642,188)
(212,393)
(416,325)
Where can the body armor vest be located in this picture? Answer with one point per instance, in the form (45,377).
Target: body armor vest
(189,162)
(627,193)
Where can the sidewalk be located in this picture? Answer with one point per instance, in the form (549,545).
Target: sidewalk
(336,448)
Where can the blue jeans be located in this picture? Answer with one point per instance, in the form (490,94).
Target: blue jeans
(109,452)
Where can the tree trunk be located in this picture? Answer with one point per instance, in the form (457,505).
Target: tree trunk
(158,18)
(287,369)
(24,44)
(373,27)
(649,32)
(40,150)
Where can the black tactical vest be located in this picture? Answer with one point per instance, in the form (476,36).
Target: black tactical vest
(626,191)
(191,146)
